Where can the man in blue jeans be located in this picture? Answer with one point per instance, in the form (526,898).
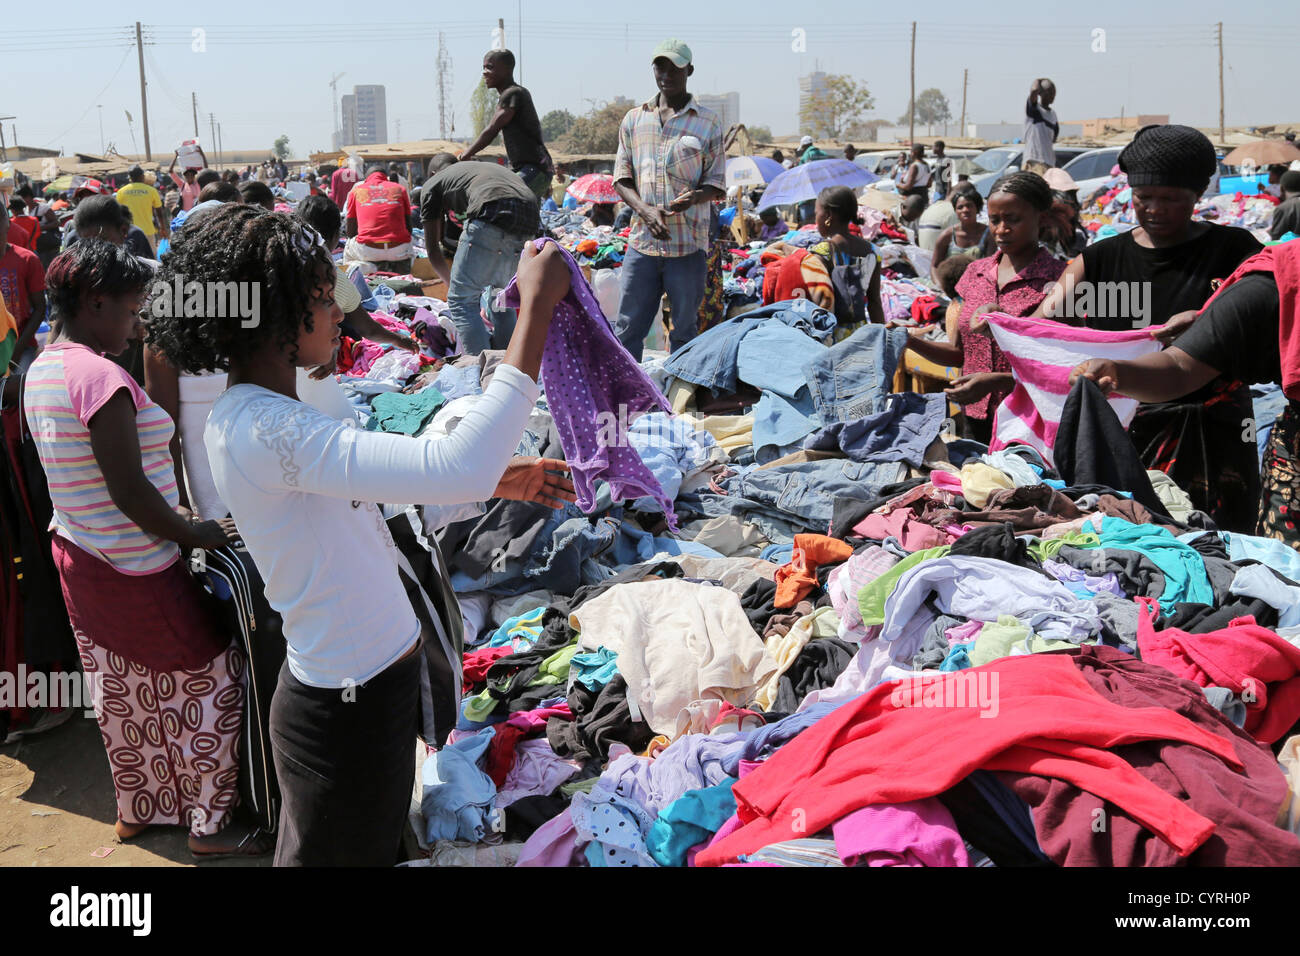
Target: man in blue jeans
(500,214)
(669,168)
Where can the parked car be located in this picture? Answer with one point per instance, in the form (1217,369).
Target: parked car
(1001,160)
(1091,170)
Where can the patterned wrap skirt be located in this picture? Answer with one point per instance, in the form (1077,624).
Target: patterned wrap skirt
(1281,481)
(171,733)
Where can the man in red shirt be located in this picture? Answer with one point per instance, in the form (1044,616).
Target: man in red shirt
(341,183)
(23,228)
(378,216)
(22,284)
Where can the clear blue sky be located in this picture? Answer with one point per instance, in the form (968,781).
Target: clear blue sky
(264,79)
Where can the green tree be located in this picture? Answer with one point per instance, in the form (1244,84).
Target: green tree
(931,108)
(597,132)
(760,134)
(281,147)
(556,123)
(830,111)
(482,104)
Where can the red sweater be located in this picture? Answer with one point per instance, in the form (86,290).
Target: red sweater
(1244,657)
(890,745)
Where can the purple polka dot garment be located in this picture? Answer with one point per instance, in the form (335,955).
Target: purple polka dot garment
(594,389)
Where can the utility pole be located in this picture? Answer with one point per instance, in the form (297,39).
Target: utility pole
(212,128)
(1222,132)
(961,131)
(220,151)
(194,107)
(144,100)
(4,152)
(501,26)
(911,104)
(444,84)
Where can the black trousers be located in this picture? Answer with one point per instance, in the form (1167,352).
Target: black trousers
(346,763)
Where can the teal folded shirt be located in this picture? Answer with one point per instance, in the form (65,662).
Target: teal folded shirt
(403,414)
(690,820)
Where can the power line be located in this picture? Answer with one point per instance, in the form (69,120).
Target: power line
(93,100)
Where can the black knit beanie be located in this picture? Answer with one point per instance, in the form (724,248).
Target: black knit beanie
(1169,156)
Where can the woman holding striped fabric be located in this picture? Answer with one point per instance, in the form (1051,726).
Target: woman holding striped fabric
(168,684)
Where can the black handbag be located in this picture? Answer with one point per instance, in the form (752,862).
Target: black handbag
(228,573)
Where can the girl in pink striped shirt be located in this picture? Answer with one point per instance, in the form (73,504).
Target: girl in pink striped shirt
(167,682)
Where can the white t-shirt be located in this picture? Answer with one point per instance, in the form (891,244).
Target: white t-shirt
(302,486)
(1039,139)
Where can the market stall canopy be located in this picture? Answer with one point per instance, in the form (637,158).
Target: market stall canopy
(804,182)
(52,167)
(1263,152)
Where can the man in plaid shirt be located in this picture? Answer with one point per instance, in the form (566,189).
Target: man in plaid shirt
(669,168)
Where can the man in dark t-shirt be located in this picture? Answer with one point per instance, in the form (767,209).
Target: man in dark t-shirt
(516,120)
(500,214)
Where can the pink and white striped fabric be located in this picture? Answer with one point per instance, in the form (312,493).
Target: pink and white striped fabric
(1042,353)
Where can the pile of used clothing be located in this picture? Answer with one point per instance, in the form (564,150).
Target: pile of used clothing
(1109,210)
(867,643)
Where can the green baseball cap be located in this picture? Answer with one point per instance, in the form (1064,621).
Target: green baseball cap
(675,50)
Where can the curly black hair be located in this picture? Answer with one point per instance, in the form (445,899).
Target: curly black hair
(93,266)
(1030,187)
(283,256)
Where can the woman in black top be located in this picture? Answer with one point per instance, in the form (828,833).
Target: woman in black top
(1236,337)
(1160,274)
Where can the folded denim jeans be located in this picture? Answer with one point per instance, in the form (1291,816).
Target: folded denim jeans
(854,376)
(711,359)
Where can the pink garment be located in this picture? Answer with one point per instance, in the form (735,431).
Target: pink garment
(912,533)
(554,843)
(946,481)
(915,833)
(390,323)
(963,633)
(1250,660)
(367,354)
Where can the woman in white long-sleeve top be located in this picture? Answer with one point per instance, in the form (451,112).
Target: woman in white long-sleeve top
(303,489)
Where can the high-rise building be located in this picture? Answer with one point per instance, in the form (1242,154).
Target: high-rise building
(810,86)
(726,105)
(348,124)
(365,116)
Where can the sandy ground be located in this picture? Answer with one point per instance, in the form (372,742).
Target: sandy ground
(57,808)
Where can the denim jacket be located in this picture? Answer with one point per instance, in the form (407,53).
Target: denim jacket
(854,376)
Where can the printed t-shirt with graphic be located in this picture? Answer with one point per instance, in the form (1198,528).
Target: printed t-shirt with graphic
(382,210)
(21,277)
(141,199)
